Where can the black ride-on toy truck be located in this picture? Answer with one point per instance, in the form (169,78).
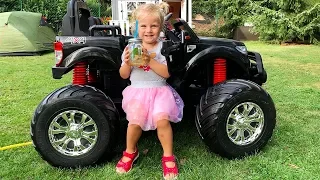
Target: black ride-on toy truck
(77,125)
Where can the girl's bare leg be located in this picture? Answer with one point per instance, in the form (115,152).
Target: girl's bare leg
(165,136)
(133,135)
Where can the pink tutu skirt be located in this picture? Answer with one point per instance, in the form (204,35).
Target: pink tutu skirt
(144,106)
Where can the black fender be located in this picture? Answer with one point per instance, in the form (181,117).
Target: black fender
(213,52)
(83,54)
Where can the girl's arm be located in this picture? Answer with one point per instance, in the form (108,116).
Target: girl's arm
(160,69)
(125,69)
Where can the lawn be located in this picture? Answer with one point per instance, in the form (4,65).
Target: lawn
(292,153)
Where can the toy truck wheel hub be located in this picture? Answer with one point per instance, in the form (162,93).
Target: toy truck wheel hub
(245,123)
(73,133)
(240,120)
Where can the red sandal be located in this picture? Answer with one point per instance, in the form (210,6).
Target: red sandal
(166,169)
(127,166)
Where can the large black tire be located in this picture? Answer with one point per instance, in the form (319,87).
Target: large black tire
(235,118)
(75,126)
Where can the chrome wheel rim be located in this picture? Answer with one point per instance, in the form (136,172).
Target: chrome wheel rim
(73,133)
(245,123)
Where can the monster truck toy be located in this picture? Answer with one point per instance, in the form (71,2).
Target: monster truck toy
(77,125)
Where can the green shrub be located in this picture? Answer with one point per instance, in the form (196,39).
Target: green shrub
(274,20)
(281,26)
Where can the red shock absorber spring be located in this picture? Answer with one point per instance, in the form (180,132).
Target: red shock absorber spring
(80,73)
(92,76)
(219,70)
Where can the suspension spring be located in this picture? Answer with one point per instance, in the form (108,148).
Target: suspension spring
(80,74)
(219,70)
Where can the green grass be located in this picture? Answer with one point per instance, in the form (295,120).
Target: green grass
(292,153)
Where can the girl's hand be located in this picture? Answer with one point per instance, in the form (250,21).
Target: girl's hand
(147,57)
(125,69)
(127,56)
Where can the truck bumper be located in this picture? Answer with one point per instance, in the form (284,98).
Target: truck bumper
(57,72)
(257,71)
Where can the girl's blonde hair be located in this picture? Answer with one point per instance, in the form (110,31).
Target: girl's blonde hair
(160,10)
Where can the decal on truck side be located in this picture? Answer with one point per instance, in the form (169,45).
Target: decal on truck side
(75,40)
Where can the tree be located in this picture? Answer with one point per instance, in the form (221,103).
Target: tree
(105,2)
(9,5)
(280,20)
(284,23)
(52,9)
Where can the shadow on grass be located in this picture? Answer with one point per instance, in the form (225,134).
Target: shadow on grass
(38,53)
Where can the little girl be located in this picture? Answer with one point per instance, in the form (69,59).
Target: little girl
(149,102)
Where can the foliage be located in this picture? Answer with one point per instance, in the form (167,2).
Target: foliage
(9,5)
(309,23)
(288,6)
(311,3)
(233,13)
(105,2)
(281,26)
(207,8)
(54,10)
(280,20)
(97,9)
(272,24)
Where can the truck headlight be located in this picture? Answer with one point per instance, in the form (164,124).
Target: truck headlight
(242,49)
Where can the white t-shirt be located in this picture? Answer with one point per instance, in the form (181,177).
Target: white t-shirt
(139,74)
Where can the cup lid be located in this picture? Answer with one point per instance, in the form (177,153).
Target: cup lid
(131,40)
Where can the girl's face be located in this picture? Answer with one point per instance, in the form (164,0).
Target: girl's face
(149,28)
